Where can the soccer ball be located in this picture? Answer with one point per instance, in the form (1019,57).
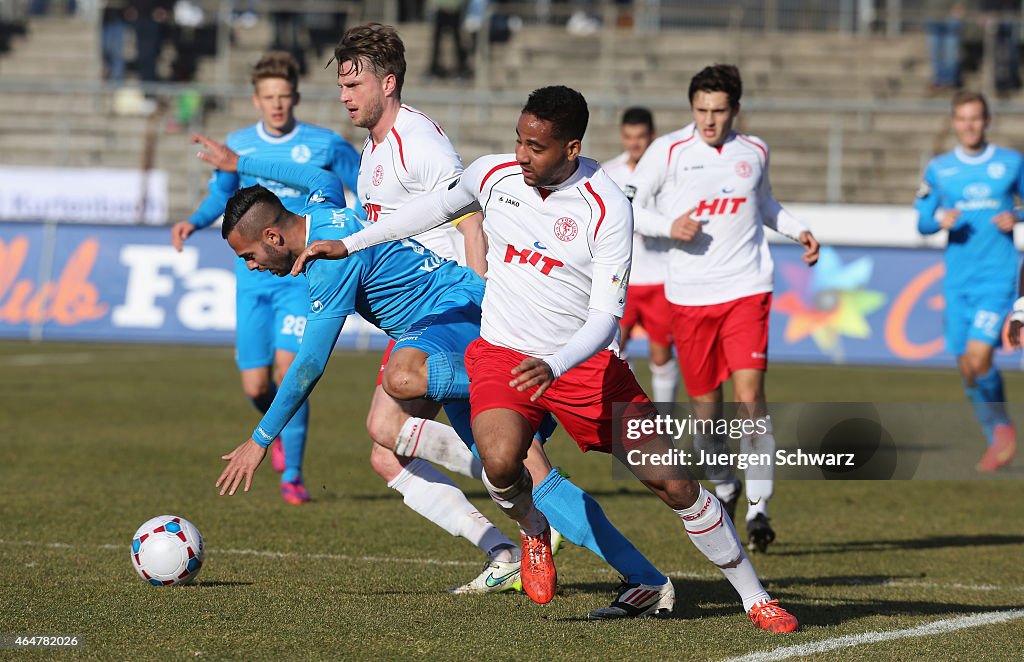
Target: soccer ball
(167,550)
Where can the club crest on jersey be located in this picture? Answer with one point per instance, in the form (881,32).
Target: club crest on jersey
(566,229)
(378,175)
(744,170)
(996,170)
(301,154)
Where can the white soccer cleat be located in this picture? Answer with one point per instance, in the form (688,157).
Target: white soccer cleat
(556,541)
(497,577)
(636,600)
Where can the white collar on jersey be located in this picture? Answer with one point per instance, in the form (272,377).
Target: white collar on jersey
(262,133)
(973,159)
(574,180)
(309,222)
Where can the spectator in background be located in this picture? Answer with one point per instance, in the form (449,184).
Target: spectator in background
(410,11)
(448,18)
(944,24)
(151,18)
(113,21)
(1001,17)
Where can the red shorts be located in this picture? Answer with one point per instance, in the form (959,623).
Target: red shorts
(647,306)
(581,399)
(384,362)
(712,342)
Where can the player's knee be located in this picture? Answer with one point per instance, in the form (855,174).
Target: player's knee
(502,471)
(256,390)
(680,494)
(402,383)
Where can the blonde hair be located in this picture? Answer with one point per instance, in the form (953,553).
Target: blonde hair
(277,64)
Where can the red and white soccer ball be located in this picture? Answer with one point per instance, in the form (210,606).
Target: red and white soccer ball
(167,550)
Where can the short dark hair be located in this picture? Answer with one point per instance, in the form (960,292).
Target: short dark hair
(965,97)
(375,46)
(718,78)
(239,205)
(277,64)
(638,115)
(564,107)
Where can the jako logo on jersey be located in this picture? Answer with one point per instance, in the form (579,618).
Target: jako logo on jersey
(977,191)
(565,229)
(301,154)
(718,206)
(526,256)
(378,175)
(996,170)
(744,170)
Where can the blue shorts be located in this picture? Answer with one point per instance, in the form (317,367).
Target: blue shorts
(270,315)
(454,324)
(975,316)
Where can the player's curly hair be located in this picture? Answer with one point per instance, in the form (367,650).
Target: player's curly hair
(718,78)
(277,64)
(239,205)
(375,46)
(564,107)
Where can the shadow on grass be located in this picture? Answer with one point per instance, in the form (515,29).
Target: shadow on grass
(709,598)
(636,491)
(928,542)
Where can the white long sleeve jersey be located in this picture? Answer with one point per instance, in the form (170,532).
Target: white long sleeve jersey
(415,158)
(650,254)
(729,189)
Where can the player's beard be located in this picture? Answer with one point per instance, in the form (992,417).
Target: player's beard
(279,261)
(371,114)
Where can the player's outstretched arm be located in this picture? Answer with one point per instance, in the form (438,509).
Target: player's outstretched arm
(180,232)
(242,464)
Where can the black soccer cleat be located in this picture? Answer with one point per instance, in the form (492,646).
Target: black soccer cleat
(730,506)
(760,534)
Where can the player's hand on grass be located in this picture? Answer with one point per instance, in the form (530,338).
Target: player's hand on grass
(811,247)
(1005,221)
(180,232)
(217,154)
(532,372)
(242,464)
(321,249)
(949,218)
(685,228)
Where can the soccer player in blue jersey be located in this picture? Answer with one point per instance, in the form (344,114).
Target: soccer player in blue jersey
(428,305)
(970,193)
(271,312)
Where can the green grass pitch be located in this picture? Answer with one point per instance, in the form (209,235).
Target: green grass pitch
(98,438)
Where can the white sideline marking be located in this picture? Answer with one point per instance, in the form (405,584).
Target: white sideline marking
(935,627)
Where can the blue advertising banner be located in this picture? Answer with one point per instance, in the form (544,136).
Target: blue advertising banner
(115,283)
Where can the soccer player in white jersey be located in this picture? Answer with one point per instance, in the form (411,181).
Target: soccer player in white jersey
(646,304)
(706,187)
(559,250)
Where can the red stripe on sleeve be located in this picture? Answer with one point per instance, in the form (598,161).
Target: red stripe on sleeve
(748,140)
(600,205)
(401,152)
(496,169)
(436,125)
(673,147)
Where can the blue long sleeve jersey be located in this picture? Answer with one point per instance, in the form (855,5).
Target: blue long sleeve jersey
(979,256)
(305,144)
(392,285)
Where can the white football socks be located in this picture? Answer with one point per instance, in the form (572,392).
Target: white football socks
(434,496)
(517,502)
(712,532)
(437,443)
(760,478)
(664,381)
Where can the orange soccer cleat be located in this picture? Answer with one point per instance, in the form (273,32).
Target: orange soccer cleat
(770,617)
(999,454)
(538,568)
